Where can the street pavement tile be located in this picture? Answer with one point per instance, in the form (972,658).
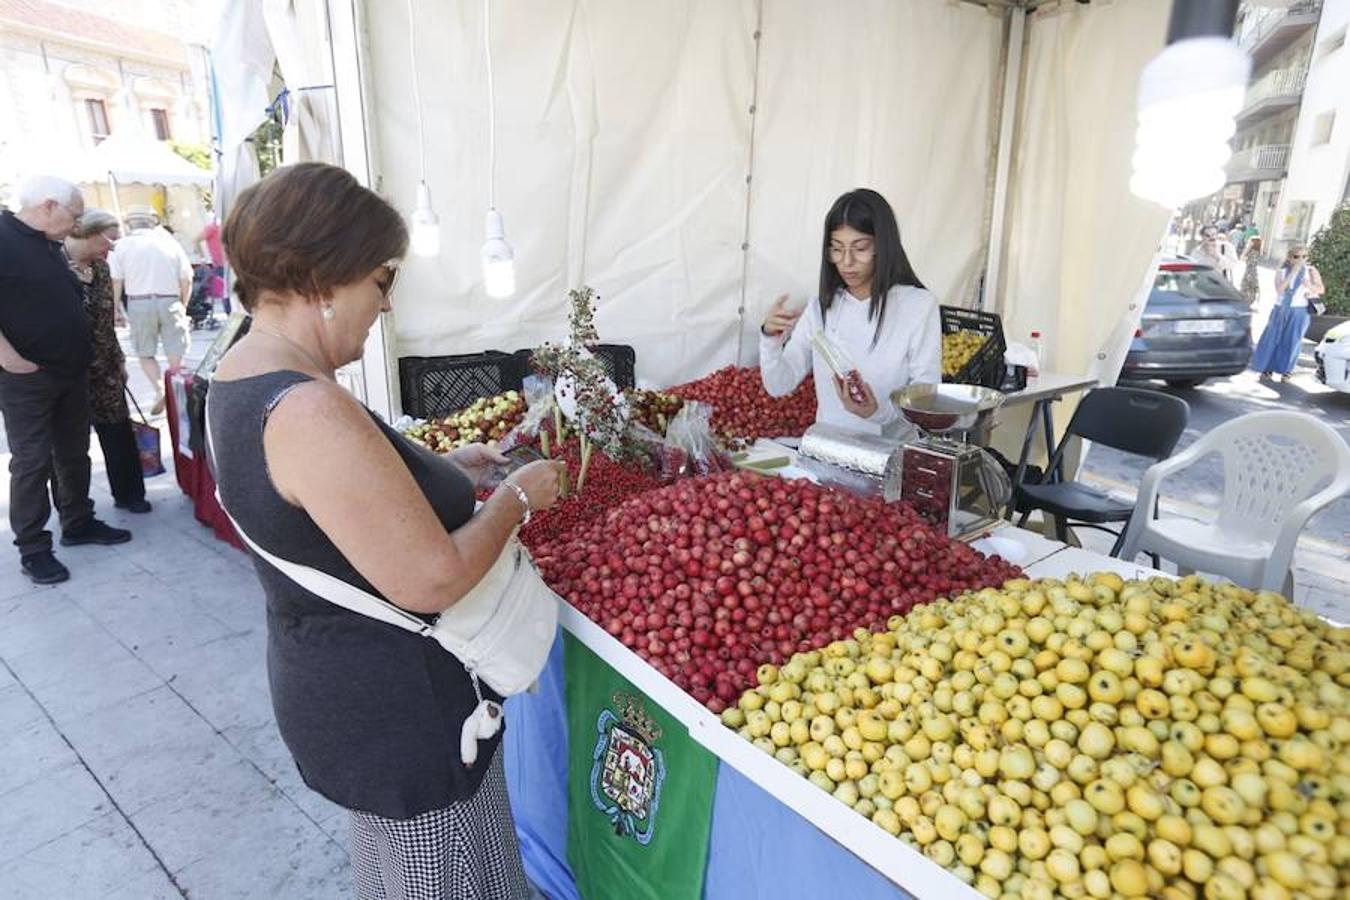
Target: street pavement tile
(237,813)
(102,856)
(40,620)
(224,680)
(150,886)
(155,621)
(17,709)
(168,553)
(262,745)
(71,663)
(91,564)
(14,584)
(150,748)
(90,684)
(42,810)
(238,600)
(30,753)
(316,868)
(338,825)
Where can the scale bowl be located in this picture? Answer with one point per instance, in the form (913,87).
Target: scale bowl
(939,408)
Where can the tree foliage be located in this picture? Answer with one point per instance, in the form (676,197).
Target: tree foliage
(1330,253)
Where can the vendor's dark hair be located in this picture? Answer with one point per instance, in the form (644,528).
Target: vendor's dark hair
(867,211)
(309,228)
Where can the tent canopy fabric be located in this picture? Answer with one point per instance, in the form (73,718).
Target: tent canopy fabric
(132,158)
(678,157)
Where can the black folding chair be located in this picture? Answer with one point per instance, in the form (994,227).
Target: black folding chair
(1142,422)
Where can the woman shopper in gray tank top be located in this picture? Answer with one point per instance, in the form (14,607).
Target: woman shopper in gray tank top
(371,713)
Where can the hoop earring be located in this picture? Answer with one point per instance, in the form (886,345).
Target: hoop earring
(328,313)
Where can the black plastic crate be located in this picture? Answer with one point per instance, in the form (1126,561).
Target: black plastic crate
(986,368)
(619,360)
(435,386)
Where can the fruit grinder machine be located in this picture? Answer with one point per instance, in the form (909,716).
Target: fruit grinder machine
(949,480)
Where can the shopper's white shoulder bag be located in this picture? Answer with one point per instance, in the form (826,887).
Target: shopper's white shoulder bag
(502,630)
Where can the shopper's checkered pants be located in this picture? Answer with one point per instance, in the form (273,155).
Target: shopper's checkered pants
(467,851)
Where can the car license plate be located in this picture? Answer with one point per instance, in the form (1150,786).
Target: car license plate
(1202,326)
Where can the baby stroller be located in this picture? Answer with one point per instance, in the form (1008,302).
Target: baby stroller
(201,308)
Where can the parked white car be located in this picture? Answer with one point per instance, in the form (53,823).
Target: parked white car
(1333,358)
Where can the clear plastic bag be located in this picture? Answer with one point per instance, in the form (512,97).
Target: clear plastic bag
(690,442)
(539,405)
(841,364)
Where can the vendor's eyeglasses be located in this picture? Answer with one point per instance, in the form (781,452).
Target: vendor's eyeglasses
(861,254)
(1298,256)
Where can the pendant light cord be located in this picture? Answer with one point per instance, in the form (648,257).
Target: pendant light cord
(492,104)
(417,95)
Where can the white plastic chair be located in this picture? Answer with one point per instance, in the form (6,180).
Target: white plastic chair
(1279,468)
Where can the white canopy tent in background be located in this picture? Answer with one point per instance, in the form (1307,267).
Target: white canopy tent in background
(679,155)
(126,168)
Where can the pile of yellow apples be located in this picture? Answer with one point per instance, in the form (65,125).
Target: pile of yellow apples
(1086,738)
(958,347)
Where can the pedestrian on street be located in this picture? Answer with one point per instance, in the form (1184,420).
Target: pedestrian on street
(152,276)
(209,239)
(1216,253)
(1297,283)
(45,352)
(315,255)
(1251,276)
(88,247)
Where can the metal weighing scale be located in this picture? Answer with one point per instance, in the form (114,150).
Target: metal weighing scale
(951,482)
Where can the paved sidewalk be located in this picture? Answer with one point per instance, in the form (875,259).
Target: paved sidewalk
(139,758)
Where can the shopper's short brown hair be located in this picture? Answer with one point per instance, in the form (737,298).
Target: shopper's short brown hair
(307,229)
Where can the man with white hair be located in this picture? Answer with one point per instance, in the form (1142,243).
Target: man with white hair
(45,350)
(151,270)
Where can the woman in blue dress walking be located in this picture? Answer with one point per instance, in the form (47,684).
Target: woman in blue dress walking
(1297,284)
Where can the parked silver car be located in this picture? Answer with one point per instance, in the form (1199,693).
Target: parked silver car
(1196,326)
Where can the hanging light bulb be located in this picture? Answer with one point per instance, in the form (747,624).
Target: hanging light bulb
(1189,97)
(499,266)
(424,227)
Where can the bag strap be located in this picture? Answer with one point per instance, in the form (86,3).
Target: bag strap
(321,584)
(1287,298)
(126,387)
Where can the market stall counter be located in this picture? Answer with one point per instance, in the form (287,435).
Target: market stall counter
(624,786)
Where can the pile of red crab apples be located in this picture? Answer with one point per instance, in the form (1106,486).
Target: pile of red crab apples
(709,578)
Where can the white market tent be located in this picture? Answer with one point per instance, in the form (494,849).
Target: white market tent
(679,155)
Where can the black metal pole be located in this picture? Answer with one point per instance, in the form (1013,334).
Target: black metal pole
(1201,18)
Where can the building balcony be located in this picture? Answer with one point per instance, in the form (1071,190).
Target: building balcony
(1265,162)
(1265,32)
(1271,93)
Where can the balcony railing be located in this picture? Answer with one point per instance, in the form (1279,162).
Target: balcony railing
(1265,162)
(1263,23)
(1280,83)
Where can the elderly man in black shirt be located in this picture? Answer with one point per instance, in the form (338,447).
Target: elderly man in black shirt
(45,351)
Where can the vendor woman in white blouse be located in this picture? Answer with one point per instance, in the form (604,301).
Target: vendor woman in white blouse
(872,305)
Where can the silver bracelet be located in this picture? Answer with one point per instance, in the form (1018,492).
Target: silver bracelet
(524,499)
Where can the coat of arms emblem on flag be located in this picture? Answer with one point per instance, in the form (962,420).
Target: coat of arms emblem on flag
(628,768)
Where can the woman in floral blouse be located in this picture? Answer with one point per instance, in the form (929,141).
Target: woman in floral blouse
(87,247)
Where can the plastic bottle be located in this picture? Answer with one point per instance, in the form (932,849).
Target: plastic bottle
(1035,371)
